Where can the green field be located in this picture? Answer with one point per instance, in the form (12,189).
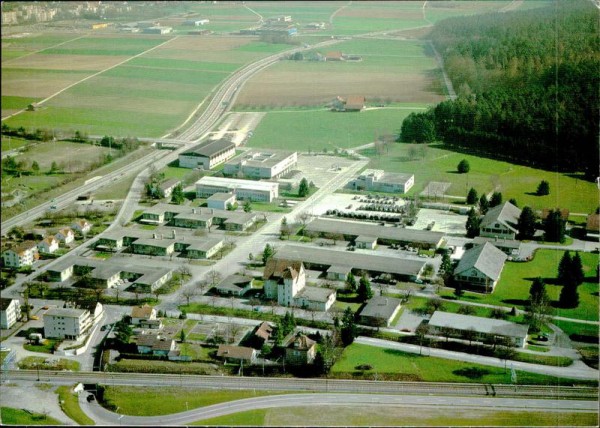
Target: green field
(167,400)
(10,416)
(328,130)
(394,363)
(381,415)
(516,278)
(98,45)
(514,181)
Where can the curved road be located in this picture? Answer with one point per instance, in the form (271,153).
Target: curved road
(105,417)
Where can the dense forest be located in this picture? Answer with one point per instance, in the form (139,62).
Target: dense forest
(527,85)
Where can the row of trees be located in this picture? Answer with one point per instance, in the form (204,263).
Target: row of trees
(524,94)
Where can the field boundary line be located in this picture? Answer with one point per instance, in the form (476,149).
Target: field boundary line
(335,12)
(94,75)
(255,12)
(45,49)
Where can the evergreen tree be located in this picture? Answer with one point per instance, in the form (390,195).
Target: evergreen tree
(526,223)
(484,204)
(463,166)
(303,188)
(569,297)
(268,252)
(351,282)
(554,227)
(473,223)
(496,199)
(35,167)
(472,196)
(177,197)
(577,269)
(543,188)
(458,290)
(537,291)
(565,270)
(364,289)
(348,330)
(247,207)
(514,202)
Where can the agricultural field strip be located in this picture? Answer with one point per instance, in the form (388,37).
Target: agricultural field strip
(94,75)
(44,49)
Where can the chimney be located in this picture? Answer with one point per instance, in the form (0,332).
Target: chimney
(174,235)
(154,236)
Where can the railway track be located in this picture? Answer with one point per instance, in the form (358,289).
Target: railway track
(308,385)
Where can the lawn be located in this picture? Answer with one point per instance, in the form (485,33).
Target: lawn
(10,416)
(434,163)
(69,403)
(167,400)
(327,130)
(516,278)
(32,363)
(428,369)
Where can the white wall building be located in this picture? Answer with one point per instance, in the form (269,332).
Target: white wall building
(261,191)
(22,255)
(378,180)
(67,323)
(10,312)
(258,164)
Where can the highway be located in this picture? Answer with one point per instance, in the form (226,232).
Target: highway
(220,103)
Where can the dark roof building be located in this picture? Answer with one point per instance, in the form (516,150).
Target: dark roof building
(380,311)
(480,267)
(501,221)
(207,154)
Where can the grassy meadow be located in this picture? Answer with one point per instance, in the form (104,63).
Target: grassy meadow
(10,416)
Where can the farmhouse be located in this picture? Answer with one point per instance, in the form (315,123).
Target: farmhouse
(334,56)
(235,285)
(352,103)
(379,311)
(377,180)
(285,280)
(480,267)
(483,329)
(261,191)
(321,258)
(207,155)
(155,344)
(256,164)
(300,350)
(22,255)
(221,201)
(140,314)
(67,323)
(350,230)
(237,354)
(10,312)
(501,222)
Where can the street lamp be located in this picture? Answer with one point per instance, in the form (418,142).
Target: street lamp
(37,366)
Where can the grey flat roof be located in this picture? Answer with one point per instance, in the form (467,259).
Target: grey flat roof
(261,158)
(478,324)
(380,307)
(316,294)
(210,148)
(356,228)
(151,275)
(369,262)
(65,312)
(162,243)
(203,245)
(221,196)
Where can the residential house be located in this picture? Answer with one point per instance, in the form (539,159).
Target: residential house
(22,255)
(48,245)
(235,285)
(480,267)
(237,354)
(141,314)
(501,221)
(67,323)
(81,226)
(300,350)
(10,312)
(379,311)
(262,334)
(65,235)
(155,344)
(481,329)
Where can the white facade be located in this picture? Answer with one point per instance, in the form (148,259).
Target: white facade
(48,245)
(261,191)
(23,255)
(10,312)
(262,164)
(379,181)
(65,235)
(219,201)
(67,323)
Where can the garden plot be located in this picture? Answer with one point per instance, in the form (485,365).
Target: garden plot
(228,332)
